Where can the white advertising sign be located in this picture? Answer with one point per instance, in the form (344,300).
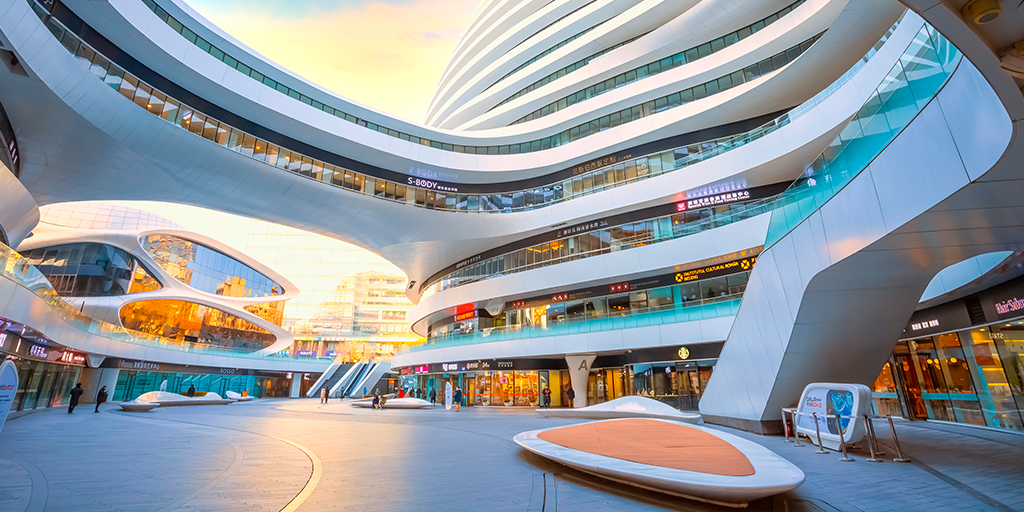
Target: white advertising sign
(8,388)
(447,395)
(848,401)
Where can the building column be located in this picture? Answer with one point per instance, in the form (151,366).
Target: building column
(296,385)
(579,370)
(93,379)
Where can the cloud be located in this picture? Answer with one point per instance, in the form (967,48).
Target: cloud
(386,54)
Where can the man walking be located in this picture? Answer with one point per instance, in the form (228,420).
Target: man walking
(75,394)
(323,395)
(101,397)
(457,398)
(433,396)
(571,395)
(547,397)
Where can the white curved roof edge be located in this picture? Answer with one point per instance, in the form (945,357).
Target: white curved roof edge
(959,274)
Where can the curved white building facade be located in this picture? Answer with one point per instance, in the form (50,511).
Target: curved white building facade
(619,196)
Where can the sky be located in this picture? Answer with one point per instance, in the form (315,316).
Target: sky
(387,54)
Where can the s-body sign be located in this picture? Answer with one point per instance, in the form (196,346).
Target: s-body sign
(417,182)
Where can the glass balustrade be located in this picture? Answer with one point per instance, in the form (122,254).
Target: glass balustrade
(923,69)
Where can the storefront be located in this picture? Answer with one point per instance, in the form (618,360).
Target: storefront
(138,377)
(958,372)
(47,371)
(678,377)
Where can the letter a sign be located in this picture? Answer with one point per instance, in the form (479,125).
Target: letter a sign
(583,365)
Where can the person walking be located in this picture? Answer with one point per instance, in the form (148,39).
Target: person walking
(101,397)
(571,395)
(547,397)
(457,398)
(323,395)
(191,391)
(433,396)
(401,393)
(75,394)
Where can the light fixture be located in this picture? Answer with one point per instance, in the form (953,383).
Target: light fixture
(982,11)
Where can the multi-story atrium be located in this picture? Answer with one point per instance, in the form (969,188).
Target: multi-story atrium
(710,225)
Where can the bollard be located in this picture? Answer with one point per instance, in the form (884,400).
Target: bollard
(842,438)
(896,440)
(869,430)
(785,426)
(817,429)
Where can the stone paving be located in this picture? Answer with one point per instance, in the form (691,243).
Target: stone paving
(241,457)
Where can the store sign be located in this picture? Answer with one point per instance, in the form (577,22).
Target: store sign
(462,308)
(504,365)
(619,287)
(560,297)
(72,358)
(428,184)
(139,365)
(305,353)
(331,353)
(927,324)
(519,304)
(422,369)
(713,270)
(8,388)
(582,228)
(478,365)
(465,316)
(468,261)
(1009,306)
(450,367)
(37,351)
(684,353)
(600,162)
(718,199)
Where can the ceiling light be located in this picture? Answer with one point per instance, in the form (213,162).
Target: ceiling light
(982,11)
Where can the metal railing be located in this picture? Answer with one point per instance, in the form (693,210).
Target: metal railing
(869,431)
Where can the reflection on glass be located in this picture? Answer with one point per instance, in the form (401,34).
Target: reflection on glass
(91,270)
(272,312)
(191,323)
(206,269)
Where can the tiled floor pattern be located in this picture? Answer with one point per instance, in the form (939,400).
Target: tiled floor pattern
(232,458)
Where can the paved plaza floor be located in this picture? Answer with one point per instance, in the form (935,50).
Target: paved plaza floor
(278,454)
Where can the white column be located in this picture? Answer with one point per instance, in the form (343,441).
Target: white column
(579,370)
(296,385)
(93,379)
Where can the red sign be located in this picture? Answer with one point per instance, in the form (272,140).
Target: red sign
(560,297)
(519,304)
(465,316)
(619,288)
(681,207)
(462,308)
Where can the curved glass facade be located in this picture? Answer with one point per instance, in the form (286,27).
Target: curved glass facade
(206,269)
(194,324)
(426,193)
(685,57)
(600,241)
(91,270)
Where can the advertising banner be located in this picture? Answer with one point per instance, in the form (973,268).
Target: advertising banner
(840,409)
(8,388)
(448,395)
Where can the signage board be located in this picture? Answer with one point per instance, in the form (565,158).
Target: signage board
(8,388)
(850,402)
(448,395)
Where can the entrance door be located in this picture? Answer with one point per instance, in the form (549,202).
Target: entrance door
(689,388)
(912,385)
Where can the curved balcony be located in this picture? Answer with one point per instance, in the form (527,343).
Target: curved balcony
(89,334)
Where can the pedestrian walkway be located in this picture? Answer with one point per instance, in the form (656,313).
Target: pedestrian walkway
(262,455)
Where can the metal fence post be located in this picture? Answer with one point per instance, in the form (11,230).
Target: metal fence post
(817,429)
(785,426)
(899,451)
(878,448)
(796,433)
(842,438)
(869,430)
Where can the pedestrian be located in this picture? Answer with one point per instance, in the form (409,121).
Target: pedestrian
(376,402)
(75,393)
(433,396)
(364,390)
(191,391)
(571,395)
(401,393)
(547,397)
(457,398)
(101,397)
(323,395)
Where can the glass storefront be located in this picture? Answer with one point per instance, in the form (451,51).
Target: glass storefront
(42,384)
(972,376)
(131,384)
(679,384)
(491,388)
